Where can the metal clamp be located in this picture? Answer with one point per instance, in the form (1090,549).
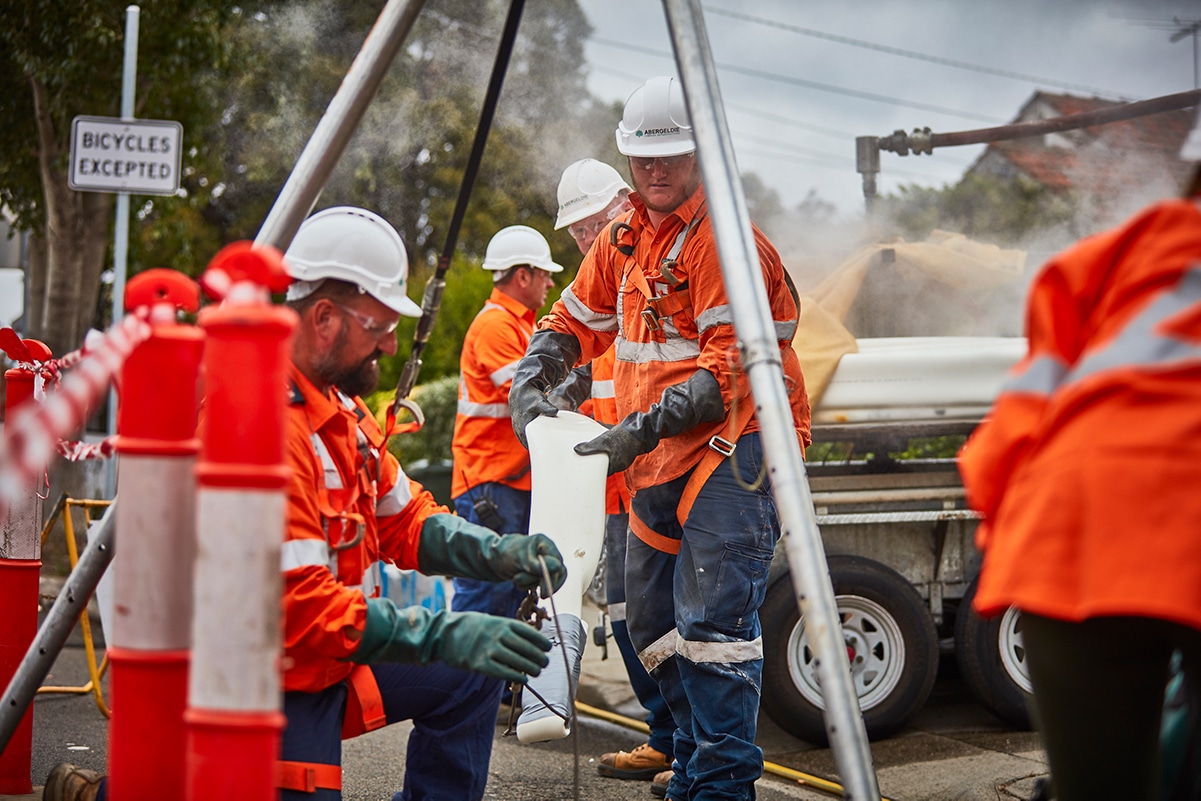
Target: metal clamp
(722,445)
(651,319)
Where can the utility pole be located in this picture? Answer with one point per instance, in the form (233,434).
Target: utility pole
(1189,29)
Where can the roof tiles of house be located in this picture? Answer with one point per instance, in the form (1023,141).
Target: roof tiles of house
(1102,158)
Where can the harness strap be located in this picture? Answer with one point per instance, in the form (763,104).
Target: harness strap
(308,777)
(719,449)
(364,704)
(651,537)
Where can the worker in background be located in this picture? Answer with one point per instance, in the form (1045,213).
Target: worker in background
(1086,475)
(591,195)
(702,514)
(491,479)
(354,662)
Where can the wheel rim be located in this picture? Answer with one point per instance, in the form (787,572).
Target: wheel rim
(1012,648)
(875,647)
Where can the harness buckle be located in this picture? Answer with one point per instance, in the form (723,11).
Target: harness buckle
(722,445)
(651,319)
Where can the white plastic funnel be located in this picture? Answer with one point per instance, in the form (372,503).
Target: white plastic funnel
(567,504)
(567,499)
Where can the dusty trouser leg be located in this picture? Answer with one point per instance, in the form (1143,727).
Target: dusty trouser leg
(651,617)
(646,690)
(720,583)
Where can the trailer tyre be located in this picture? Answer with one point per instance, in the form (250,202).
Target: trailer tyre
(992,661)
(890,639)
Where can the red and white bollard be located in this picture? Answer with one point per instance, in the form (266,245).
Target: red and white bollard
(150,644)
(20,568)
(234,722)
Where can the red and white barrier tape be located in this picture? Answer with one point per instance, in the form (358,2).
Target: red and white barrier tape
(33,432)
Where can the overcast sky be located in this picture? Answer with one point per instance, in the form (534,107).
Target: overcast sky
(801,78)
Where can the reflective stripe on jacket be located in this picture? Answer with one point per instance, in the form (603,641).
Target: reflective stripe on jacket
(1087,468)
(604,410)
(604,305)
(332,449)
(484,447)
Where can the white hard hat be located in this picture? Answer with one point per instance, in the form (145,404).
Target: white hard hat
(519,244)
(655,122)
(587,187)
(1191,149)
(353,245)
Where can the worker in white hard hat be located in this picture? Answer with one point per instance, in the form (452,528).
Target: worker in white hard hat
(687,441)
(354,662)
(592,195)
(491,476)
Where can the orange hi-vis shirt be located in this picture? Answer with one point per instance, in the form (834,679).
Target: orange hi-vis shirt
(1088,467)
(339,476)
(605,306)
(603,409)
(484,447)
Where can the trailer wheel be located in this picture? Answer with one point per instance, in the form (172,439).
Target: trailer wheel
(890,639)
(992,661)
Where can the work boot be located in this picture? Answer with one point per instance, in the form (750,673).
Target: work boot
(659,784)
(641,763)
(68,782)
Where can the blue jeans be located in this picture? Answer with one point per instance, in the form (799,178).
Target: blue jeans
(454,717)
(493,597)
(646,690)
(694,618)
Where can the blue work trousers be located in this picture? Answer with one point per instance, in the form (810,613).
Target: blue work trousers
(454,720)
(646,689)
(694,618)
(513,507)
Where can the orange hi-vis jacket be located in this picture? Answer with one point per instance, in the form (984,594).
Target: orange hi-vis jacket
(349,505)
(686,324)
(484,447)
(603,408)
(1087,470)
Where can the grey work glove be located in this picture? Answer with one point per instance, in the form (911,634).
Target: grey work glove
(548,358)
(495,646)
(682,407)
(574,391)
(451,546)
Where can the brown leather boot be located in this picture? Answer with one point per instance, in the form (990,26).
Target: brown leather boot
(659,784)
(641,763)
(67,782)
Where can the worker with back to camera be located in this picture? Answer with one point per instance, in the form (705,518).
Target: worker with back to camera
(1086,474)
(591,195)
(491,478)
(353,661)
(696,567)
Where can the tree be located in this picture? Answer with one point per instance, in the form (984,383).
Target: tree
(1005,212)
(63,59)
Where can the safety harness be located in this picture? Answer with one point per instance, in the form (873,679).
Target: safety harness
(623,236)
(364,703)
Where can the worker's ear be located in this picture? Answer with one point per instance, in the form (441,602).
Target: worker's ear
(325,318)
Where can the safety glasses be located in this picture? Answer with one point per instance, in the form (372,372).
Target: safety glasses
(669,162)
(583,230)
(368,323)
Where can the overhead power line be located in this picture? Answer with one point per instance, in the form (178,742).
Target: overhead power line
(821,87)
(913,54)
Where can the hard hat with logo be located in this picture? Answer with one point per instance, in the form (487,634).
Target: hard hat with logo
(353,245)
(517,245)
(587,187)
(655,122)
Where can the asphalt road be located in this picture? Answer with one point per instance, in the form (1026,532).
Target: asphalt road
(953,750)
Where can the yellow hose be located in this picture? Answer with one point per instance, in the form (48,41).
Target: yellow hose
(807,779)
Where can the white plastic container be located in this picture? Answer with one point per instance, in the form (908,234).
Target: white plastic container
(567,504)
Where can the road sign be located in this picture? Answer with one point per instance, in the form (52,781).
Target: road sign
(110,154)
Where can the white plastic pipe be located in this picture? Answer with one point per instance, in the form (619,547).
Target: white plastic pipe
(567,504)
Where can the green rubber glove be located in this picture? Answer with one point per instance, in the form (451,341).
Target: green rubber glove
(451,546)
(495,646)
